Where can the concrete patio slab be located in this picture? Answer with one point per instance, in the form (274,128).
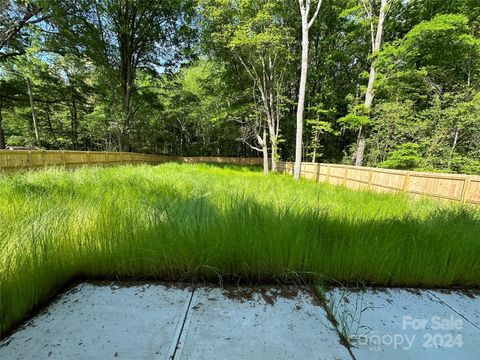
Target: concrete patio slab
(259,323)
(102,322)
(154,321)
(407,324)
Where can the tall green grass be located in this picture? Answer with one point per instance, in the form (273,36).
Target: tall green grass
(204,222)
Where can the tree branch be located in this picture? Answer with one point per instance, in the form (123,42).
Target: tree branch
(312,20)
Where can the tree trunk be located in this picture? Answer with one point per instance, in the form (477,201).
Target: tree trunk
(119,138)
(301,99)
(306,24)
(452,150)
(265,82)
(2,136)
(360,151)
(127,72)
(371,79)
(265,153)
(50,127)
(314,154)
(272,120)
(274,154)
(29,88)
(127,66)
(369,94)
(74,123)
(127,107)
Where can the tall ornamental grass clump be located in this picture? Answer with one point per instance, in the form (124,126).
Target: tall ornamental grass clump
(209,223)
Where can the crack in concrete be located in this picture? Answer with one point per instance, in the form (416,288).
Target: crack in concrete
(333,320)
(454,310)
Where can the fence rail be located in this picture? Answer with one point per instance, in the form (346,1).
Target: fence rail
(27,159)
(456,187)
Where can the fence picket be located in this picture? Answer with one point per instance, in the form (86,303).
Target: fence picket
(455,187)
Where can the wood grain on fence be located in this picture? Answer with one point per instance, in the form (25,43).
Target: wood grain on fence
(27,159)
(456,187)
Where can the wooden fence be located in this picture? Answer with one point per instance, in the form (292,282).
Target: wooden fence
(27,159)
(456,187)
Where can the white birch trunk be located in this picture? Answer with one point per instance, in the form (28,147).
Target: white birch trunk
(306,24)
(377,40)
(274,155)
(32,107)
(265,152)
(301,100)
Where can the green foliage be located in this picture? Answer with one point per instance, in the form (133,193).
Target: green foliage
(16,140)
(356,118)
(433,73)
(465,165)
(441,52)
(405,157)
(196,74)
(319,126)
(353,121)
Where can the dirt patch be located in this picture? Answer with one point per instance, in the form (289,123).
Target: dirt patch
(471,293)
(269,294)
(119,284)
(414,291)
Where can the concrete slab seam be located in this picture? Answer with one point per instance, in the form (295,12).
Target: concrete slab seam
(186,325)
(172,352)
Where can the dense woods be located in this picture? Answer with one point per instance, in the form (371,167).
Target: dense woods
(390,83)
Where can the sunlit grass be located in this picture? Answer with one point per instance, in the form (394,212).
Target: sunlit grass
(202,222)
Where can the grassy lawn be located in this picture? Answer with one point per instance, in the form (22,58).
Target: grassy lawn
(204,222)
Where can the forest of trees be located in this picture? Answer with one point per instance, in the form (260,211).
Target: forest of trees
(390,83)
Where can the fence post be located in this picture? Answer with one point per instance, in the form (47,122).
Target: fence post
(63,157)
(327,179)
(406,182)
(29,159)
(370,175)
(44,159)
(466,188)
(345,176)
